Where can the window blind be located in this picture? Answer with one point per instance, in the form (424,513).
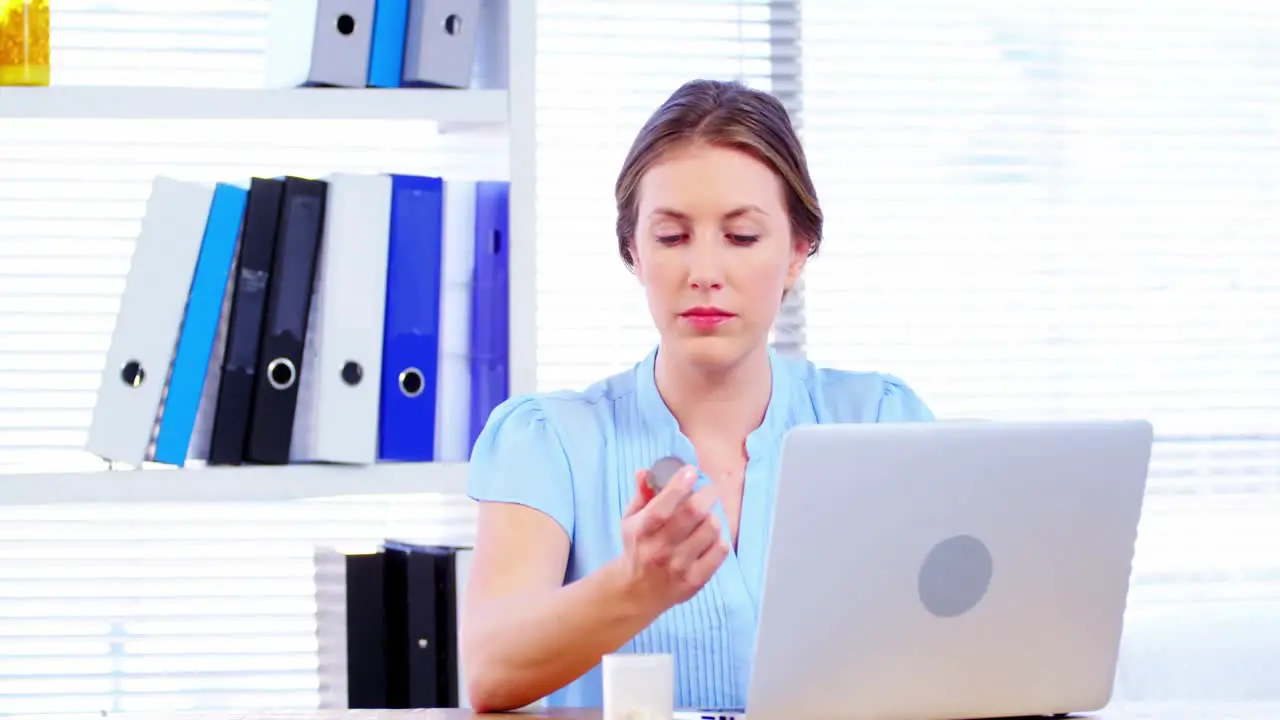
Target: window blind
(603,67)
(1065,210)
(124,606)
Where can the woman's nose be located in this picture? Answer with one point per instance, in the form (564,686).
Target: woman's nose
(706,265)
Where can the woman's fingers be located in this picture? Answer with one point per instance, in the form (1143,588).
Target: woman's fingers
(642,496)
(701,539)
(706,564)
(695,509)
(664,506)
(674,536)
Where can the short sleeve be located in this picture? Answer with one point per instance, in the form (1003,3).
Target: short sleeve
(519,458)
(899,403)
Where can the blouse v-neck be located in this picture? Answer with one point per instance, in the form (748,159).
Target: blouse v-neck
(746,557)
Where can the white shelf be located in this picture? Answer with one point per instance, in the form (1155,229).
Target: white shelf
(510,111)
(233,484)
(465,107)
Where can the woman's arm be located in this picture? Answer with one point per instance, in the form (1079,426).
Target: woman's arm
(524,634)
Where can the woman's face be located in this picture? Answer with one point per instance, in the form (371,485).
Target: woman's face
(714,250)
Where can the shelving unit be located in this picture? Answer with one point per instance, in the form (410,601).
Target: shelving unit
(479,107)
(234,484)
(508,109)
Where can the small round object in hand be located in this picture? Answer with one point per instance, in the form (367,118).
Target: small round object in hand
(663,471)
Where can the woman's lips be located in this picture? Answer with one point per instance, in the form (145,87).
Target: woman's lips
(706,318)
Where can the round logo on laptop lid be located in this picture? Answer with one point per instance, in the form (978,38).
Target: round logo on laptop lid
(955,576)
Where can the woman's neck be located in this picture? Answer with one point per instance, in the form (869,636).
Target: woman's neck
(722,402)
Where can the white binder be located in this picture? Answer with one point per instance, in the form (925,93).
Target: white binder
(149,320)
(319,42)
(336,419)
(453,389)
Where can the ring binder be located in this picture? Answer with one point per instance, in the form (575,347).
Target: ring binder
(440,43)
(490,306)
(386,54)
(411,337)
(319,43)
(338,380)
(301,226)
(189,371)
(148,326)
(453,370)
(236,388)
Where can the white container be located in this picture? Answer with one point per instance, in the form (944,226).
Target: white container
(638,687)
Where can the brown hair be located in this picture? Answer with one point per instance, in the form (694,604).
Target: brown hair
(727,114)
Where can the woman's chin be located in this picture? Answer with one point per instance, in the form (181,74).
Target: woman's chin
(710,351)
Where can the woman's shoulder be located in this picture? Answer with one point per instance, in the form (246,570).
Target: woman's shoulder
(532,442)
(844,395)
(561,412)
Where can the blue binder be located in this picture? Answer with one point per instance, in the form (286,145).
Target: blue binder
(200,324)
(490,314)
(411,330)
(386,54)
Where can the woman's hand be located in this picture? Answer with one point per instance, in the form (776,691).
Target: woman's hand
(672,542)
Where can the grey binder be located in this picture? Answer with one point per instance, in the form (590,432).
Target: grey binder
(149,321)
(440,43)
(319,43)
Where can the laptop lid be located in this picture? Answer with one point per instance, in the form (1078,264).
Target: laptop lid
(949,569)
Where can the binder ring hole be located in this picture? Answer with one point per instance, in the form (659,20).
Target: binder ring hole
(281,373)
(352,373)
(132,374)
(346,24)
(453,24)
(411,382)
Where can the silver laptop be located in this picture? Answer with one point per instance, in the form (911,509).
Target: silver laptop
(947,570)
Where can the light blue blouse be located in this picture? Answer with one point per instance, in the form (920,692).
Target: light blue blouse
(573,455)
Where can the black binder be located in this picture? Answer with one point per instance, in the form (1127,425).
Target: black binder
(422,618)
(298,238)
(353,643)
(244,329)
(387,627)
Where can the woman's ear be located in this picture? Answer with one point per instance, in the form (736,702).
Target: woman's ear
(636,266)
(799,256)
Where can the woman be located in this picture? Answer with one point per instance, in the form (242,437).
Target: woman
(575,556)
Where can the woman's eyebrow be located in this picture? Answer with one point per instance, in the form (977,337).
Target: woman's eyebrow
(736,212)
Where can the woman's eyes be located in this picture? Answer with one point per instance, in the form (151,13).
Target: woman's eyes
(735,237)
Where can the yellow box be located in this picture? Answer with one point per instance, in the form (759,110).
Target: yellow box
(24,42)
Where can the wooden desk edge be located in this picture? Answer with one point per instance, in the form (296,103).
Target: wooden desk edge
(1264,710)
(1127,711)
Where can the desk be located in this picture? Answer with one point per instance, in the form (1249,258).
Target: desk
(1162,711)
(1137,711)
